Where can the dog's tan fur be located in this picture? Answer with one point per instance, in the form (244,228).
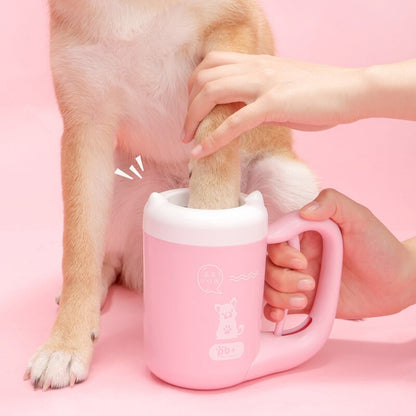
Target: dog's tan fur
(93,46)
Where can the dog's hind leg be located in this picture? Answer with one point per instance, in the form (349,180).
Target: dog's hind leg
(286,183)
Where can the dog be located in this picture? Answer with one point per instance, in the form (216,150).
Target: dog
(120,70)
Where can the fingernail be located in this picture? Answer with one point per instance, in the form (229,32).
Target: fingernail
(312,207)
(277,315)
(297,263)
(297,302)
(197,150)
(306,284)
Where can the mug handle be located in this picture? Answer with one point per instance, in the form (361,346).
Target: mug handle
(281,353)
(325,304)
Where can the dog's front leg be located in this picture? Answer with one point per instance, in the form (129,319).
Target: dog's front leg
(87,176)
(215,179)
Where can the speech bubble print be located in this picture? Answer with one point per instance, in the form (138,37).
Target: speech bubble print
(210,278)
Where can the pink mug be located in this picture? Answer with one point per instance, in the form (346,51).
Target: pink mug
(203,292)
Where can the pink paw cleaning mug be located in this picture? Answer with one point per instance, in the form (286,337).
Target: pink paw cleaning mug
(203,292)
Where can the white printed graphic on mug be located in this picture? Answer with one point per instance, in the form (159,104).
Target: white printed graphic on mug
(210,278)
(248,276)
(227,351)
(227,327)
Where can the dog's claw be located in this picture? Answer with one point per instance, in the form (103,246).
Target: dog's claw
(26,375)
(36,383)
(94,335)
(46,385)
(58,298)
(72,380)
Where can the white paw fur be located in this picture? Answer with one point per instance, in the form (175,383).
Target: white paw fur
(50,368)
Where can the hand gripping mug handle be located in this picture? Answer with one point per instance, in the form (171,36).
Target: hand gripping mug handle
(292,225)
(279,328)
(280,353)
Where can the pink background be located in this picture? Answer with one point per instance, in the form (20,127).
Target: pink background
(366,368)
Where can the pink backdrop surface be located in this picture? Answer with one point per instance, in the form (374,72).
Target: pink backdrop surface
(366,368)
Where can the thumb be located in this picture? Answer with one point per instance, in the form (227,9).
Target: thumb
(331,204)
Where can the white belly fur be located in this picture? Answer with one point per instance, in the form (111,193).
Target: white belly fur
(152,73)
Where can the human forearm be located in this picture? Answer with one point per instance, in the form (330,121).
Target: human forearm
(390,91)
(410,246)
(294,94)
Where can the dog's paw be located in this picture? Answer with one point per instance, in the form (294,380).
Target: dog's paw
(53,367)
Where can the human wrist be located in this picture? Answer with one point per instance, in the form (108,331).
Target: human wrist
(376,92)
(359,91)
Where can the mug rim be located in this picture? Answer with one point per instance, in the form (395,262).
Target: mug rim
(166,220)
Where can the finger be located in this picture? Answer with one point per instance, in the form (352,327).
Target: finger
(217,58)
(273,314)
(288,280)
(293,301)
(225,90)
(248,117)
(284,255)
(203,77)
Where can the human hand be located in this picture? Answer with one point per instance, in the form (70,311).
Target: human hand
(272,90)
(378,275)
